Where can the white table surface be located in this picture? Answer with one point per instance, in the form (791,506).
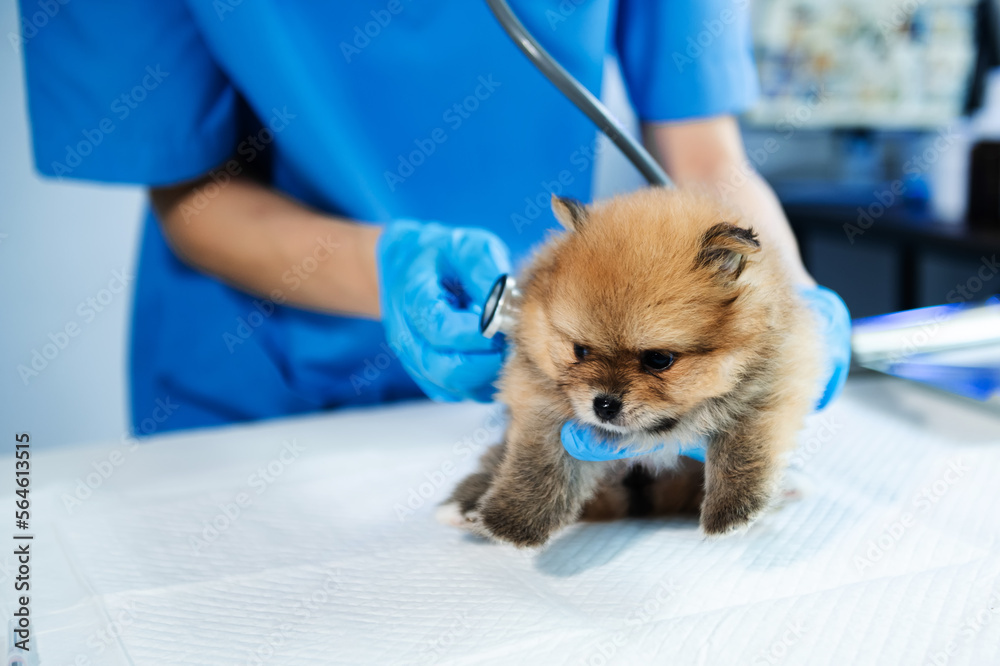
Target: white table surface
(322,565)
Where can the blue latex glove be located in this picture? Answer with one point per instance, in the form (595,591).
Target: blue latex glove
(835,327)
(583,443)
(433,281)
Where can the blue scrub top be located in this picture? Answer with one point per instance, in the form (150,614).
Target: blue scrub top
(369,109)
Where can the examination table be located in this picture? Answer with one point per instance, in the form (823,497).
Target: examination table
(312,541)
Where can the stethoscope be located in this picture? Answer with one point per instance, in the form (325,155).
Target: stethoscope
(502,306)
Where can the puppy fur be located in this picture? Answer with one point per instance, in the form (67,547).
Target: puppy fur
(652,279)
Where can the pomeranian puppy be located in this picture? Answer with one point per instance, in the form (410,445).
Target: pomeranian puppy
(656,316)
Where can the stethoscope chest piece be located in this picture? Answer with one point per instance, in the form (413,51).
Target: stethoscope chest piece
(502,307)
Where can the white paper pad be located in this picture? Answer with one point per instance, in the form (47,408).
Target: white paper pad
(890,559)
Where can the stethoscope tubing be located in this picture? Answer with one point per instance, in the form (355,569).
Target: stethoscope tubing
(582,98)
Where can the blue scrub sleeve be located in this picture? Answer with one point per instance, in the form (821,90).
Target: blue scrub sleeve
(686,59)
(124,92)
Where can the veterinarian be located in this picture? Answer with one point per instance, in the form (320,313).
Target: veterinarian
(336,185)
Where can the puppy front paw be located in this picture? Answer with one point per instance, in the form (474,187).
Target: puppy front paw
(726,513)
(515,523)
(452,515)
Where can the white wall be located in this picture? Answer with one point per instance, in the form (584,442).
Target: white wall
(59,243)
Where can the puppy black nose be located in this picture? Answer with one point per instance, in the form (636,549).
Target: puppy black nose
(607,407)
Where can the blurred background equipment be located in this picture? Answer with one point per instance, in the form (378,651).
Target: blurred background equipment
(984,186)
(887,64)
(868,115)
(951,347)
(875,127)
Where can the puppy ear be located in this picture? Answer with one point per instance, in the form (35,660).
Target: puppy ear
(725,248)
(571,213)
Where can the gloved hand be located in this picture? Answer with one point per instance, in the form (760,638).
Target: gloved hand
(834,320)
(433,281)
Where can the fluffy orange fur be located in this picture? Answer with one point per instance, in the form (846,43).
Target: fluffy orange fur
(664,273)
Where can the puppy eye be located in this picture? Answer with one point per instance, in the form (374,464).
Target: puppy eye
(657,361)
(580,352)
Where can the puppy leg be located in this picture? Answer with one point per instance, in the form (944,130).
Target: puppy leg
(742,470)
(538,487)
(455,510)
